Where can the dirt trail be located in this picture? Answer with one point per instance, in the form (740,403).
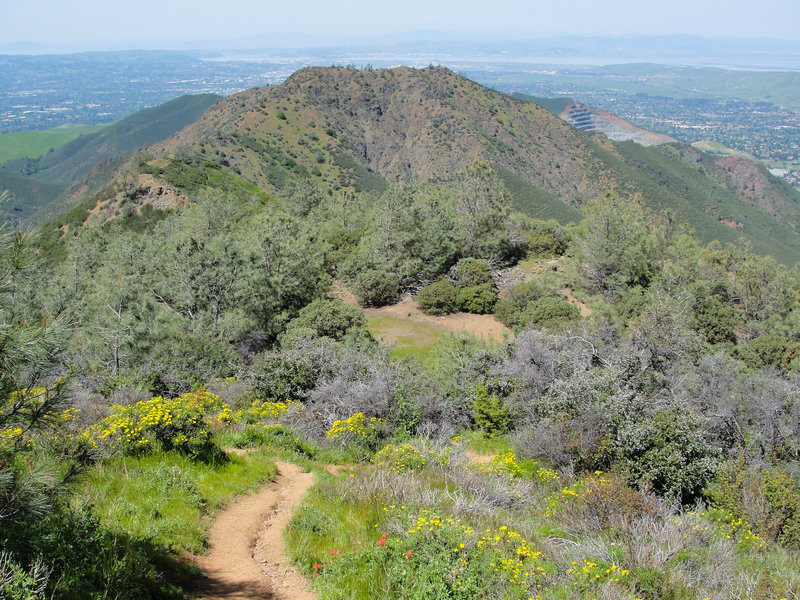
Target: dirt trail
(246,559)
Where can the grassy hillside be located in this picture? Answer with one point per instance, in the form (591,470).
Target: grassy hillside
(554,105)
(20,144)
(35,183)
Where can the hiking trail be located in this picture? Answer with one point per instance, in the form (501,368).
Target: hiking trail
(246,558)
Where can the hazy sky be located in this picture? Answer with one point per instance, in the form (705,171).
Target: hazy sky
(160,23)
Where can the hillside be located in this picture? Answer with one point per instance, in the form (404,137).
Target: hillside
(494,406)
(35,183)
(362,129)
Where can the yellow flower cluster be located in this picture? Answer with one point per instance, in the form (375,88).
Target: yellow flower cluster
(266,411)
(518,561)
(726,524)
(11,433)
(504,463)
(176,422)
(511,555)
(356,426)
(590,573)
(568,494)
(544,475)
(405,457)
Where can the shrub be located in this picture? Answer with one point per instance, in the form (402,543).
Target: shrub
(21,584)
(769,349)
(477,292)
(439,298)
(477,299)
(768,500)
(469,272)
(261,412)
(717,322)
(550,312)
(356,430)
(469,287)
(182,424)
(489,412)
(404,457)
(407,457)
(326,318)
(377,288)
(510,310)
(670,453)
(543,239)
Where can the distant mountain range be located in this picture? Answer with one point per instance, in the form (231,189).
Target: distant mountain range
(543,49)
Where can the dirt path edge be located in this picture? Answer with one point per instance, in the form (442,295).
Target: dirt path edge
(246,558)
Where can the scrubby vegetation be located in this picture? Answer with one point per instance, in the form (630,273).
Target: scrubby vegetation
(644,445)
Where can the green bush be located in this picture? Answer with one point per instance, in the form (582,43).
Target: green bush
(545,239)
(531,304)
(550,312)
(477,299)
(439,298)
(377,288)
(717,321)
(769,349)
(765,500)
(326,318)
(669,453)
(469,272)
(489,412)
(282,376)
(469,287)
(183,424)
(510,310)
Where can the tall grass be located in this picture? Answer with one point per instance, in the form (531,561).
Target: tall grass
(166,498)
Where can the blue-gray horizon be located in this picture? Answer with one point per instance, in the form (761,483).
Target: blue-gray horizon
(179,24)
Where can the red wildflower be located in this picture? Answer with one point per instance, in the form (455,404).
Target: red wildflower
(334,552)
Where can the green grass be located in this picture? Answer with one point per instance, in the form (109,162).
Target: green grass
(166,498)
(416,339)
(534,201)
(721,150)
(360,537)
(481,444)
(19,144)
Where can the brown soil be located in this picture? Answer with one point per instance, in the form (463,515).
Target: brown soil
(483,326)
(585,309)
(246,559)
(481,459)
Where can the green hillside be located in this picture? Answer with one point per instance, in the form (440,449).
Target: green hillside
(348,129)
(341,296)
(554,105)
(20,144)
(33,181)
